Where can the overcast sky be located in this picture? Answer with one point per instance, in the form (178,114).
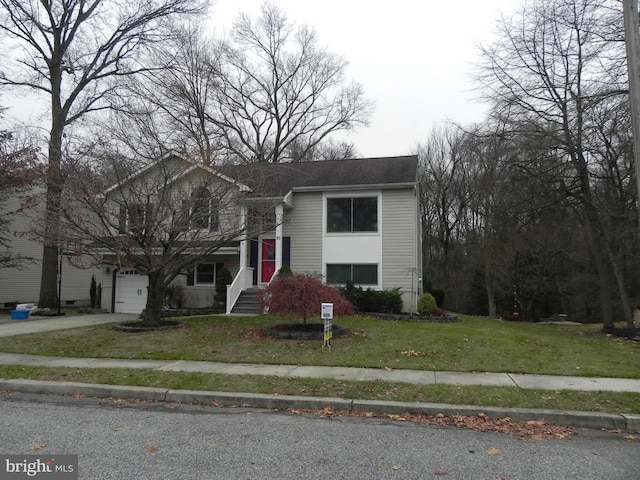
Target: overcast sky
(413,58)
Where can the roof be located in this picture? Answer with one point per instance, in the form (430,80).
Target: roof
(278,179)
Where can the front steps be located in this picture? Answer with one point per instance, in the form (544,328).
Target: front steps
(247,303)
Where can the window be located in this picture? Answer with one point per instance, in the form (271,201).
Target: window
(202,274)
(203,211)
(133,217)
(205,274)
(352,214)
(358,274)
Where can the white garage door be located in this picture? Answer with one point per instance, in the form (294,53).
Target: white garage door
(131,291)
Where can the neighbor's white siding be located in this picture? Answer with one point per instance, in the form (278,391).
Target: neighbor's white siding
(22,285)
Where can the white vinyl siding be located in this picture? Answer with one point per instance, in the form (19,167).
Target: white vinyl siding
(400,259)
(23,285)
(304,225)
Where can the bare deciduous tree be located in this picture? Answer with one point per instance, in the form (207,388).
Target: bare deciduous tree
(160,221)
(73,52)
(552,66)
(279,89)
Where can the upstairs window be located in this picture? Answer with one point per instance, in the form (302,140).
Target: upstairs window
(203,211)
(352,214)
(134,217)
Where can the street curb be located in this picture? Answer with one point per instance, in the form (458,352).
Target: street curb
(612,421)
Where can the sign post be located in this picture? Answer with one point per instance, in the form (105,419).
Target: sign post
(326,313)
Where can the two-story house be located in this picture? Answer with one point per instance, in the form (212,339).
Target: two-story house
(349,220)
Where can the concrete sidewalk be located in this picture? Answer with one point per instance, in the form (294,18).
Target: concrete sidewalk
(353,374)
(422,377)
(419,377)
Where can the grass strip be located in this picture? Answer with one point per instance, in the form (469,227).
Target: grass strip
(611,402)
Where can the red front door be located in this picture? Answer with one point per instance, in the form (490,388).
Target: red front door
(267,259)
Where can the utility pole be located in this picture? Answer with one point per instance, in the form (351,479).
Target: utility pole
(632,42)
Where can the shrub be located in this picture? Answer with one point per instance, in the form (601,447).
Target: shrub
(427,304)
(223,279)
(300,295)
(174,295)
(374,301)
(285,270)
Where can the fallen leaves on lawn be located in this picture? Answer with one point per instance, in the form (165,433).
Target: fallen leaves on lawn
(413,353)
(531,430)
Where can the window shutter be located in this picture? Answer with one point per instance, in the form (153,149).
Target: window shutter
(253,259)
(286,251)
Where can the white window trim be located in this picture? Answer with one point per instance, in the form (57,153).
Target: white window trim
(195,275)
(351,194)
(374,286)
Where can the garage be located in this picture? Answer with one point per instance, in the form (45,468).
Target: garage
(131,291)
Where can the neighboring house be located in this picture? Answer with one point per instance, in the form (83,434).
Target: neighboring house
(349,220)
(22,285)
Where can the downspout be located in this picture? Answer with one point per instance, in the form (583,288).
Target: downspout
(113,289)
(279,239)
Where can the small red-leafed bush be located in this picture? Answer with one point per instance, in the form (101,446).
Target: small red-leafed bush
(300,296)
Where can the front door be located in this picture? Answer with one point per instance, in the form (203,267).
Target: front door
(267,259)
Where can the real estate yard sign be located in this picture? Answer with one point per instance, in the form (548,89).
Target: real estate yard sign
(326,313)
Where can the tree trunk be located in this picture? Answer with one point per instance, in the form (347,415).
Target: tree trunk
(49,274)
(604,277)
(622,289)
(490,288)
(153,309)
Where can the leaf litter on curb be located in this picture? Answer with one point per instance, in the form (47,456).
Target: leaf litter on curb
(530,430)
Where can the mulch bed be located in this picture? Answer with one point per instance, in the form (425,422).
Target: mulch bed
(139,326)
(302,331)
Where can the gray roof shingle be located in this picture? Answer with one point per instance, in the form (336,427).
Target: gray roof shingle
(277,179)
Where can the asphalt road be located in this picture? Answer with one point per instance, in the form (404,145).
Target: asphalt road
(119,440)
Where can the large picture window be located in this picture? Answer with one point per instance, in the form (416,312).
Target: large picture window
(352,214)
(358,274)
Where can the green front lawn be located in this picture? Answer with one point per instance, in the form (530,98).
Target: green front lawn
(473,344)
